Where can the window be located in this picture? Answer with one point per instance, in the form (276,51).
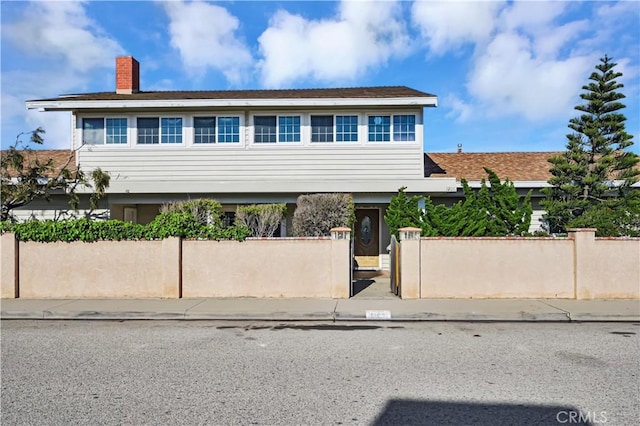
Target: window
(171,130)
(402,127)
(345,129)
(154,130)
(265,129)
(95,131)
(228,129)
(322,128)
(379,128)
(289,128)
(116,130)
(272,129)
(148,130)
(204,129)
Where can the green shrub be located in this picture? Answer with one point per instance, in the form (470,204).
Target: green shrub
(403,211)
(316,214)
(261,219)
(75,230)
(165,225)
(205,211)
(490,211)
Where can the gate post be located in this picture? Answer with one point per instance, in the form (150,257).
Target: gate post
(9,266)
(340,263)
(410,263)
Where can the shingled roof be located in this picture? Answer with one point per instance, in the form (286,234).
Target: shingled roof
(517,166)
(60,158)
(335,93)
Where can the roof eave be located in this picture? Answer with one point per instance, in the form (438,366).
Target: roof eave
(75,104)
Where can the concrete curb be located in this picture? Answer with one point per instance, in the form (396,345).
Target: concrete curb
(324,310)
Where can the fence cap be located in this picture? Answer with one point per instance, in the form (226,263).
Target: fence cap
(582,230)
(410,229)
(341,229)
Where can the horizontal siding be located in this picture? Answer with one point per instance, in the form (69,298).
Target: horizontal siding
(251,163)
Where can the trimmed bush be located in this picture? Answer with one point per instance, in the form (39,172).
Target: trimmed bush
(261,219)
(205,211)
(165,225)
(316,214)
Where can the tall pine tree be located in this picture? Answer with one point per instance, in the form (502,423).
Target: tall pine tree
(596,168)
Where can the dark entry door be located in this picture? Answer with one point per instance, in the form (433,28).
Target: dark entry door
(366,238)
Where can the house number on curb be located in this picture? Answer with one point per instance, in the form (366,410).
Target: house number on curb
(378,314)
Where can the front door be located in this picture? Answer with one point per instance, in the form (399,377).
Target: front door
(366,238)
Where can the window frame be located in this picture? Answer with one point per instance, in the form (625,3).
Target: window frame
(105,136)
(279,131)
(392,128)
(159,128)
(334,128)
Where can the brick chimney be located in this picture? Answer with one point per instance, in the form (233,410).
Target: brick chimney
(127,75)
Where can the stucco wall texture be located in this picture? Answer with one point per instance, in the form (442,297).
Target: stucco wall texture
(578,267)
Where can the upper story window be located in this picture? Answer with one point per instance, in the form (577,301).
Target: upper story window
(382,127)
(204,129)
(404,127)
(324,130)
(154,130)
(379,128)
(264,129)
(272,129)
(98,131)
(289,128)
(216,129)
(228,129)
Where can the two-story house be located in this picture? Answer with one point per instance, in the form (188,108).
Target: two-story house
(253,146)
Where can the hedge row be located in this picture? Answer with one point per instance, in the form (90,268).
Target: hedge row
(164,225)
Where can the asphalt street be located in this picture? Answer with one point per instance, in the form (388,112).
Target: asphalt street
(366,373)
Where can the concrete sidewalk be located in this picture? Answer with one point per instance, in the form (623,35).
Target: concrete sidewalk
(354,309)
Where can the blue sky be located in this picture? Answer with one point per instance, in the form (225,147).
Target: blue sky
(507,74)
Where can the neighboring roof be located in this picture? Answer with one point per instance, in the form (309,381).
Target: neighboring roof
(60,158)
(351,96)
(517,166)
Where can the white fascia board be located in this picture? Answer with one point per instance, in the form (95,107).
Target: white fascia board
(71,104)
(434,185)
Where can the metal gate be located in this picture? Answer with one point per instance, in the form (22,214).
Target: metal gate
(394,256)
(353,267)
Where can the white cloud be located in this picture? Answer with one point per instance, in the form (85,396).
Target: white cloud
(205,36)
(19,87)
(62,30)
(70,46)
(508,79)
(448,25)
(530,16)
(363,35)
(459,109)
(524,62)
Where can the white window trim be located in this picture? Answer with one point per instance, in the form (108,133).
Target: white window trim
(190,131)
(80,130)
(160,143)
(418,128)
(335,128)
(303,123)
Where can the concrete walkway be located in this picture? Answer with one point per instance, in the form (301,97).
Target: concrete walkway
(354,309)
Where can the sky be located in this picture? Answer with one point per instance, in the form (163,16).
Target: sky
(507,74)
